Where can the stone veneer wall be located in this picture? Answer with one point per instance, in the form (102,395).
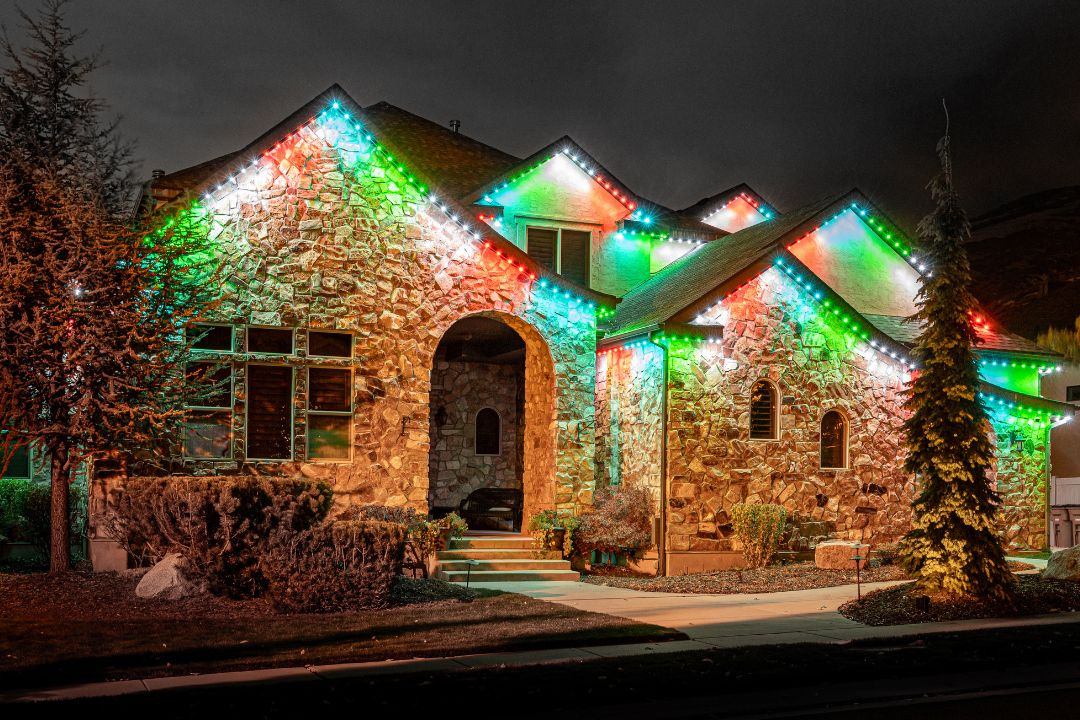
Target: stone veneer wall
(1021,478)
(629,417)
(771,331)
(462,389)
(328,237)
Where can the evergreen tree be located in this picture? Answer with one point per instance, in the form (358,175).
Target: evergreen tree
(92,309)
(953,547)
(1066,342)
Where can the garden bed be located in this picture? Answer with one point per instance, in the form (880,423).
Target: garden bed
(774,578)
(896,605)
(91,626)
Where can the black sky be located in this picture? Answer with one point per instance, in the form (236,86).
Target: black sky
(679,99)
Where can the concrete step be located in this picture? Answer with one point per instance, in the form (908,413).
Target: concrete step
(485,565)
(509,576)
(494,554)
(492,542)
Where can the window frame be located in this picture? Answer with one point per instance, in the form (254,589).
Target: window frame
(844,440)
(350,413)
(263,353)
(558,227)
(210,356)
(774,412)
(1068,392)
(498,437)
(352,344)
(292,411)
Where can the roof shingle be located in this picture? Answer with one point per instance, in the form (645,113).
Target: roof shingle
(699,272)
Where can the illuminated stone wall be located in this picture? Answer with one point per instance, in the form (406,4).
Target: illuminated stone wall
(327,234)
(629,416)
(771,331)
(1020,477)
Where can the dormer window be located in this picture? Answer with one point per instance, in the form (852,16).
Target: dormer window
(563,250)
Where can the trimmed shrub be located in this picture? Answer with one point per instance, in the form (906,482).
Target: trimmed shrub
(423,534)
(13,494)
(620,522)
(334,567)
(220,525)
(759,528)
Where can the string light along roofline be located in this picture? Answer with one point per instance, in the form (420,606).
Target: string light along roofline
(232,181)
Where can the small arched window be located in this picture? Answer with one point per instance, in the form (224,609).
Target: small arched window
(763,420)
(833,440)
(488,432)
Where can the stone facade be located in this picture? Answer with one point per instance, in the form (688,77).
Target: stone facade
(328,236)
(462,389)
(770,332)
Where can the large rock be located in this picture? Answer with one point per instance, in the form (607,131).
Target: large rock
(170,579)
(1063,565)
(837,554)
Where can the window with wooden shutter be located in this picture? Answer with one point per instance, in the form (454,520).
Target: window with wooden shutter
(541,245)
(763,425)
(833,441)
(574,251)
(269,412)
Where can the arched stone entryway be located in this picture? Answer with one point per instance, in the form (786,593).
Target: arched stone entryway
(485,365)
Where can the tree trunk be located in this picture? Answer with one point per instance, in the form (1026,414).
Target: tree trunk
(60,543)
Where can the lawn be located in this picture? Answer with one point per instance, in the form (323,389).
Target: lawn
(91,626)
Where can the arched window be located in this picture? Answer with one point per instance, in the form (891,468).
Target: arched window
(833,440)
(488,432)
(763,420)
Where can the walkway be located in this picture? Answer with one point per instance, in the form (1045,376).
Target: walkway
(712,621)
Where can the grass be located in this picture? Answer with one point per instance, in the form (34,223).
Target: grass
(90,627)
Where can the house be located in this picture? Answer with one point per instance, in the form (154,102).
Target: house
(410,314)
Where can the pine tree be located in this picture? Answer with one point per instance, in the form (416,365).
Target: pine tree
(953,547)
(1066,342)
(92,308)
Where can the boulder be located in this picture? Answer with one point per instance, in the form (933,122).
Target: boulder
(837,554)
(1063,565)
(170,579)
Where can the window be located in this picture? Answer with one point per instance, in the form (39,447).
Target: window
(833,441)
(269,412)
(763,416)
(277,341)
(329,413)
(211,337)
(562,250)
(329,344)
(208,395)
(488,432)
(19,464)
(1072,393)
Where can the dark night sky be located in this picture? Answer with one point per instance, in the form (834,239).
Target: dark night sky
(678,99)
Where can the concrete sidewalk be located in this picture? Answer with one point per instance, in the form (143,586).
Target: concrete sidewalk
(710,622)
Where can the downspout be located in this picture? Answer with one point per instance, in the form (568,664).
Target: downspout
(661,540)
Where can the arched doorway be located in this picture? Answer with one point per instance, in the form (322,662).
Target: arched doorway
(492,419)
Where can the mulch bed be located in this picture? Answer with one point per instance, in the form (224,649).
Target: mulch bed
(775,578)
(85,627)
(896,605)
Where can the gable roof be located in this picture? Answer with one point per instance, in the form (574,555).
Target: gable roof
(588,164)
(456,162)
(699,273)
(217,172)
(905,331)
(709,204)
